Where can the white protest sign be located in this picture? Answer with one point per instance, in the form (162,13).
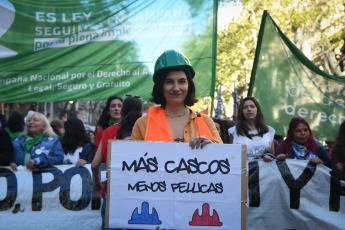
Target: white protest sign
(170,185)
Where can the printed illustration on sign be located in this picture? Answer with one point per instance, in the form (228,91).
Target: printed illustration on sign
(205,219)
(144,217)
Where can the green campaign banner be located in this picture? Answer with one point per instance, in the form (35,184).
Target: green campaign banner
(90,50)
(287,84)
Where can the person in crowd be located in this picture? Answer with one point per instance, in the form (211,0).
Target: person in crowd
(6,148)
(174,90)
(131,111)
(329,148)
(2,119)
(252,130)
(58,128)
(222,126)
(226,125)
(338,154)
(76,144)
(38,146)
(301,144)
(111,115)
(217,122)
(15,125)
(91,134)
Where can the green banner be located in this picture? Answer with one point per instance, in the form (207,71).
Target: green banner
(287,84)
(90,50)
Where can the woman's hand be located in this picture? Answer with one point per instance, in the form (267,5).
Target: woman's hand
(315,161)
(81,162)
(157,228)
(200,141)
(97,188)
(281,157)
(267,158)
(13,166)
(30,165)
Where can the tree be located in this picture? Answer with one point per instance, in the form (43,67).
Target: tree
(316,27)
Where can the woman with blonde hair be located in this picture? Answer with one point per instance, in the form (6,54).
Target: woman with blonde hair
(38,146)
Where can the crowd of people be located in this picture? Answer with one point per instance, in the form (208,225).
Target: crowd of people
(37,144)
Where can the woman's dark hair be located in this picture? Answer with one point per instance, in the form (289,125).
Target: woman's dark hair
(158,91)
(260,124)
(105,116)
(75,136)
(16,122)
(131,111)
(340,142)
(224,126)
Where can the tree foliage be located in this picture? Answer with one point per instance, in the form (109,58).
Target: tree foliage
(317,27)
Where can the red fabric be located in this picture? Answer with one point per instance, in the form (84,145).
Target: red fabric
(109,133)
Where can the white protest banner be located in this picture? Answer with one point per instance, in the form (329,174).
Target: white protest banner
(170,185)
(58,197)
(284,195)
(293,194)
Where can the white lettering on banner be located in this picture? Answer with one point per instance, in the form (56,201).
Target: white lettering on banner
(79,35)
(326,97)
(41,88)
(71,87)
(314,114)
(113,84)
(12,80)
(118,73)
(49,77)
(63,17)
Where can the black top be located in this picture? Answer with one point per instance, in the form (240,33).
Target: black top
(6,148)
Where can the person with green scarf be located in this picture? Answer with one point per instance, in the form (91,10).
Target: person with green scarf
(15,125)
(38,146)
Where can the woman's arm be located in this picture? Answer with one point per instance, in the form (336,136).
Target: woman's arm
(231,139)
(97,160)
(86,156)
(337,167)
(88,150)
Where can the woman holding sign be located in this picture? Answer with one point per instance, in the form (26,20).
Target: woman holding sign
(174,90)
(300,144)
(251,130)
